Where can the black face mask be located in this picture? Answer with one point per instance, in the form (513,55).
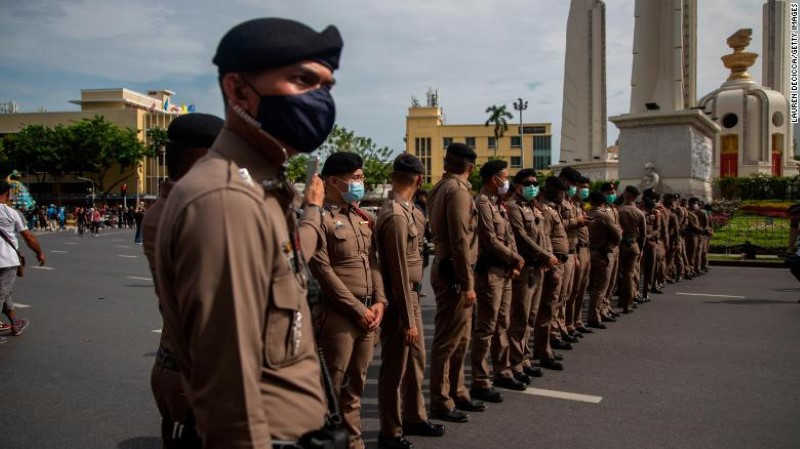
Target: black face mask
(301,121)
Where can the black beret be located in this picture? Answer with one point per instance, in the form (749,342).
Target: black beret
(585,180)
(694,200)
(607,187)
(570,174)
(553,183)
(408,163)
(460,149)
(632,190)
(341,162)
(493,167)
(265,43)
(194,130)
(597,197)
(524,174)
(649,193)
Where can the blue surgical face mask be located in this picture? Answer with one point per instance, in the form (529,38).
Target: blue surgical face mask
(611,198)
(530,192)
(301,121)
(572,191)
(584,193)
(355,192)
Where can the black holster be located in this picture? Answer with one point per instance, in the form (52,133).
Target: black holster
(328,437)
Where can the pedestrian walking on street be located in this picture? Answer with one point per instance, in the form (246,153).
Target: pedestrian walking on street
(138,216)
(11,224)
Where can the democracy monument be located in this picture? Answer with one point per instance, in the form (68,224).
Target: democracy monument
(669,140)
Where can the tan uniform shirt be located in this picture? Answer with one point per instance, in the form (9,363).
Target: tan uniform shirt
(604,233)
(583,231)
(554,229)
(400,228)
(633,224)
(495,237)
(454,219)
(346,265)
(526,222)
(671,219)
(233,296)
(569,218)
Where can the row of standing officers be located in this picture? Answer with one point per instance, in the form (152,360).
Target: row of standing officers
(245,361)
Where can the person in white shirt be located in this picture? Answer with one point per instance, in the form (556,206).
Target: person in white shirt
(11,223)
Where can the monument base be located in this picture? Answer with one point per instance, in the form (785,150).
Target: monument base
(670,152)
(607,170)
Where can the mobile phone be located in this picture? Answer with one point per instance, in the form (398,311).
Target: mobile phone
(311,169)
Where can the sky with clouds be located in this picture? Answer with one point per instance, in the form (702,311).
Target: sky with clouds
(476,52)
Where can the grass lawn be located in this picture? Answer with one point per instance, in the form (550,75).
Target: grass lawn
(770,233)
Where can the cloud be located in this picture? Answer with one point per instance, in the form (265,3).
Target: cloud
(475,52)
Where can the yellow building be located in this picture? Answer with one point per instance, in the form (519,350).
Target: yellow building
(427,137)
(120,106)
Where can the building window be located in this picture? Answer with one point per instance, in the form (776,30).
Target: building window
(447,141)
(516,162)
(422,149)
(492,142)
(516,142)
(470,141)
(541,143)
(541,162)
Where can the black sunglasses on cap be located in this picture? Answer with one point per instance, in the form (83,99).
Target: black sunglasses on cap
(530,183)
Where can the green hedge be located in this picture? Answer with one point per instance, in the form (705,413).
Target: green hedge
(759,187)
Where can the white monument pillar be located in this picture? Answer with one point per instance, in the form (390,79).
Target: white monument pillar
(584,117)
(775,46)
(662,137)
(664,55)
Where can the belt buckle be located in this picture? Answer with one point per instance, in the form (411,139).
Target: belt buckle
(368,301)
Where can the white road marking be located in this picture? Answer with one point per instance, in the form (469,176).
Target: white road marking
(117,240)
(156,331)
(19,305)
(59,252)
(127,255)
(70,243)
(711,296)
(563,395)
(121,246)
(139,278)
(37,267)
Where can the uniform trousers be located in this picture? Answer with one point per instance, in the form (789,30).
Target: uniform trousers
(548,308)
(628,261)
(559,327)
(348,350)
(704,252)
(613,260)
(693,252)
(401,374)
(649,266)
(451,337)
(177,423)
(524,307)
(600,276)
(490,336)
(661,264)
(574,309)
(533,318)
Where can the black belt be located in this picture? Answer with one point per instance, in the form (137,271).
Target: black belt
(416,287)
(562,258)
(286,445)
(166,359)
(367,300)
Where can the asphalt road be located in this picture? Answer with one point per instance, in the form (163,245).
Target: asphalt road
(713,363)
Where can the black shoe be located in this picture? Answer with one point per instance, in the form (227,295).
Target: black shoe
(522,377)
(615,314)
(470,406)
(560,344)
(532,371)
(670,281)
(510,383)
(558,357)
(658,291)
(394,443)
(584,330)
(576,334)
(569,338)
(423,429)
(487,394)
(608,319)
(552,364)
(680,279)
(598,325)
(645,299)
(452,415)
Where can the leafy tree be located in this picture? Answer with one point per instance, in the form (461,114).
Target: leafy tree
(377,161)
(296,169)
(39,150)
(498,116)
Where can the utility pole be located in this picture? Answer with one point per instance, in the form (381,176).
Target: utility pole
(521,105)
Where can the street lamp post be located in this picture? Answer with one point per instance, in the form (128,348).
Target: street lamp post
(521,105)
(90,182)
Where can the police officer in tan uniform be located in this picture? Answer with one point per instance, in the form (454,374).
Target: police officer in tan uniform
(498,263)
(400,228)
(673,236)
(189,138)
(650,259)
(230,257)
(453,218)
(525,220)
(353,301)
(634,230)
(608,314)
(604,236)
(694,233)
(572,221)
(580,282)
(550,199)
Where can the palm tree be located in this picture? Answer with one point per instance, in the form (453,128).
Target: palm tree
(498,116)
